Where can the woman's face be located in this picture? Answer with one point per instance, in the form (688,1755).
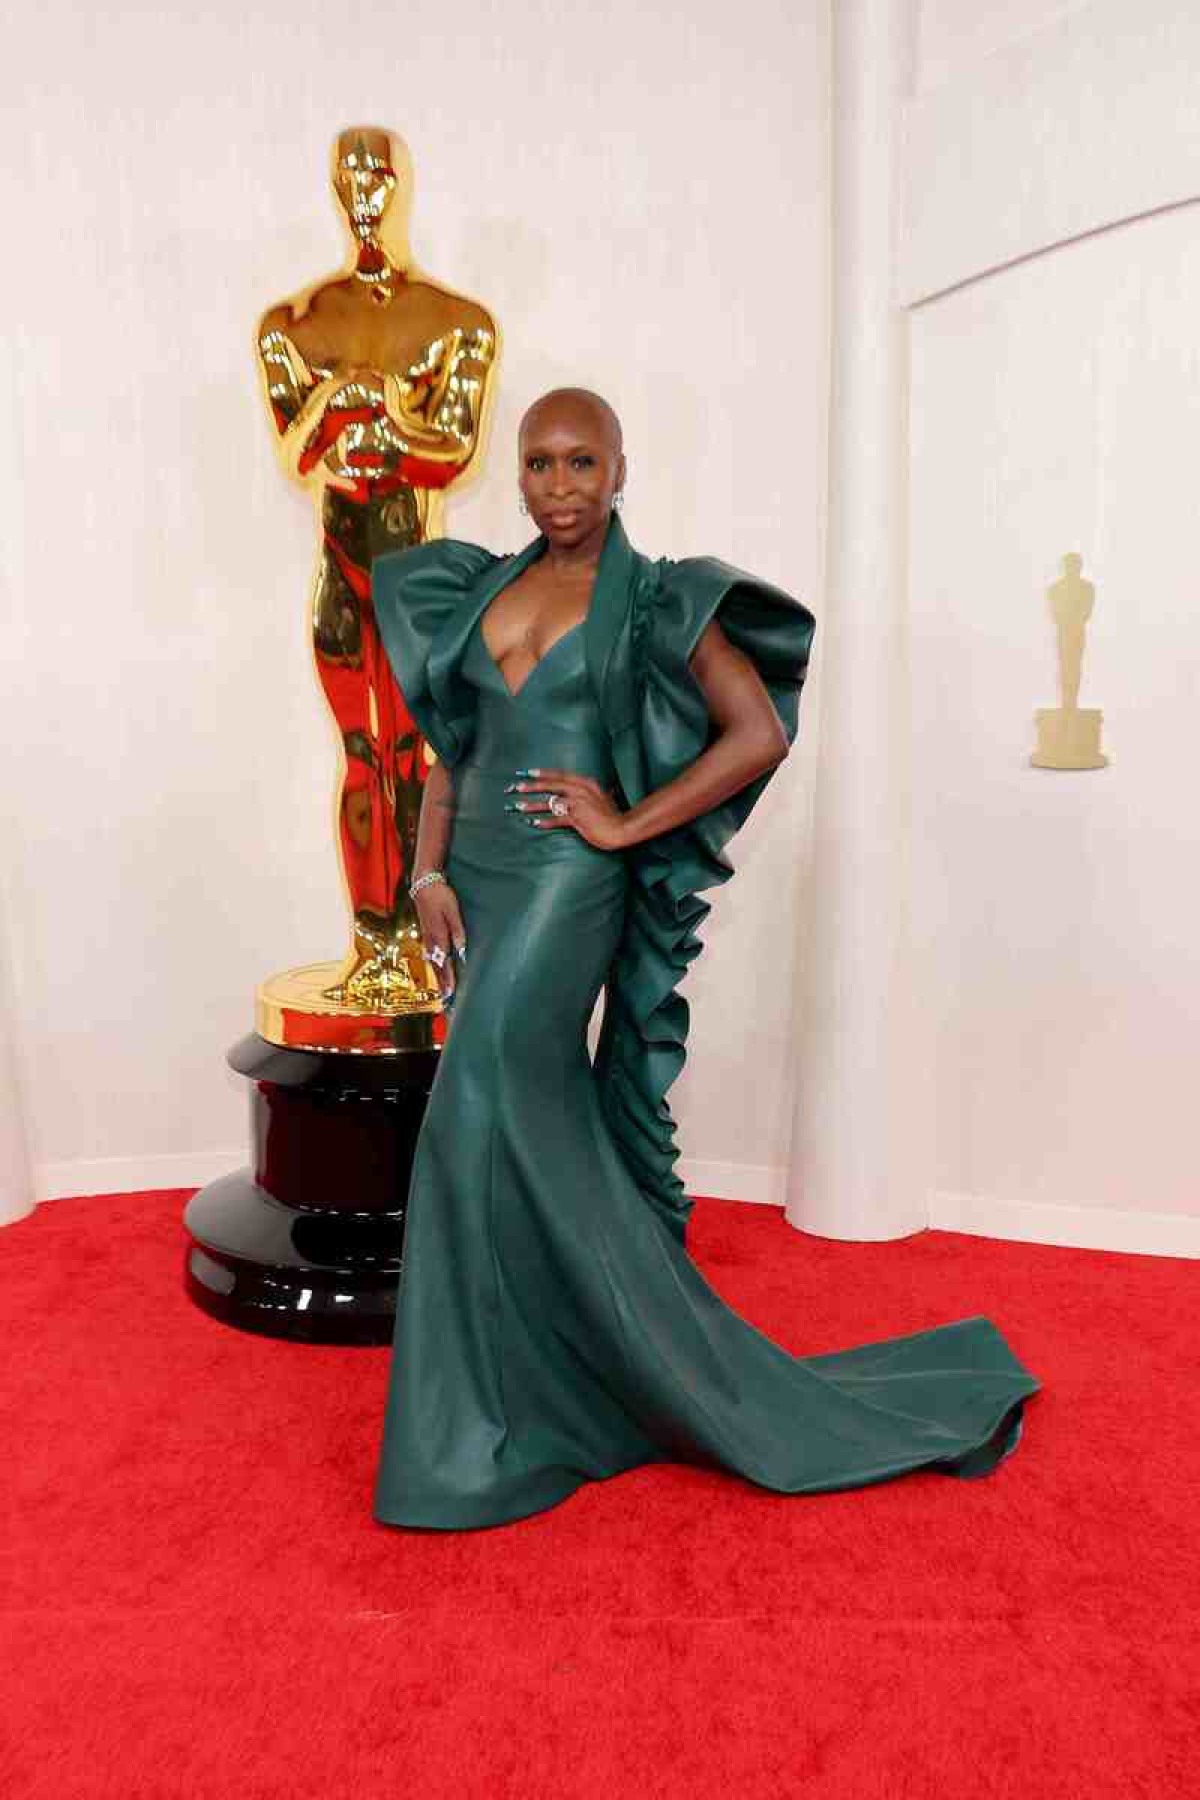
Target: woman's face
(571,466)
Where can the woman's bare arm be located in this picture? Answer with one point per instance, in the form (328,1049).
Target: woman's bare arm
(750,740)
(436,822)
(437,904)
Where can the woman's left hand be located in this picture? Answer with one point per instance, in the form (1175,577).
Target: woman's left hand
(591,809)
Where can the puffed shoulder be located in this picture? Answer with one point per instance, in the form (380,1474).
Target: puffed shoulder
(418,594)
(435,574)
(770,627)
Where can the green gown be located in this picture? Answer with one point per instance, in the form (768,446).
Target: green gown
(551,1326)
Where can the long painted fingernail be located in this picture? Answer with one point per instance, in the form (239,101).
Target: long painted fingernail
(460,951)
(527,771)
(514,806)
(512,787)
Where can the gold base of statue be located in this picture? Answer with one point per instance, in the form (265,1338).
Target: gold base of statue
(1068,737)
(298,1009)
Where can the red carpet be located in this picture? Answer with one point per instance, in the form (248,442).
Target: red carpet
(196,1601)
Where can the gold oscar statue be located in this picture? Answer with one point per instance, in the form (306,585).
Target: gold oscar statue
(1068,736)
(377,382)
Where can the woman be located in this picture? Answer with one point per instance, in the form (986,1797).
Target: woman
(603,725)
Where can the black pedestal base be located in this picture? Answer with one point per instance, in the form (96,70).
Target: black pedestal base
(309,1245)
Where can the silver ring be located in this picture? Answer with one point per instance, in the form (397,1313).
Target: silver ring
(437,956)
(558,806)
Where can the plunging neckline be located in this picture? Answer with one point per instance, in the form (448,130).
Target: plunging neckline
(515,693)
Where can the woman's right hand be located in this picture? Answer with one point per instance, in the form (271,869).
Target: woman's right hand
(441,929)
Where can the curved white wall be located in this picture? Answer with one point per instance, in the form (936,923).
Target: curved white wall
(860,1148)
(1043,402)
(1053,408)
(1064,129)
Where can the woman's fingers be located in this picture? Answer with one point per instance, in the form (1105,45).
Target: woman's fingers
(536,795)
(435,933)
(558,781)
(458,933)
(439,955)
(442,933)
(590,809)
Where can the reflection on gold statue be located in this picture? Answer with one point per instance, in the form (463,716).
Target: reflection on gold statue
(378,383)
(1068,736)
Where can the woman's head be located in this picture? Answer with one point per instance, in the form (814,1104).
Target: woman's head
(571,465)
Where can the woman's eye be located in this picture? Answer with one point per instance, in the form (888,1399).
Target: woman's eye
(535,462)
(583,462)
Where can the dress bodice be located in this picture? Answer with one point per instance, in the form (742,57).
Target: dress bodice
(552,721)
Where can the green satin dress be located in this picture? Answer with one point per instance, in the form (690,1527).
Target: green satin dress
(551,1326)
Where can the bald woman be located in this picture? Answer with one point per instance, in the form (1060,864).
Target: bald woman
(603,723)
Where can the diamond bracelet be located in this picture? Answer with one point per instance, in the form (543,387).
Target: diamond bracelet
(430,875)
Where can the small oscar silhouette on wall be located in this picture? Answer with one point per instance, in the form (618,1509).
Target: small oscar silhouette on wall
(1068,736)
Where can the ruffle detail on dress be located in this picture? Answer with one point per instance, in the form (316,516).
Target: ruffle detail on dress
(643,1042)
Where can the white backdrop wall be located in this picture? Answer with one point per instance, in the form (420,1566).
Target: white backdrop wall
(644,209)
(16,1172)
(998,1025)
(1053,409)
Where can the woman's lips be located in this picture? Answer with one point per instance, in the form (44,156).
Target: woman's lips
(562,520)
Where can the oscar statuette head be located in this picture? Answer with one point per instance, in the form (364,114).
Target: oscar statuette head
(372,180)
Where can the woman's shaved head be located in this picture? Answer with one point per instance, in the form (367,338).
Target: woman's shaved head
(565,402)
(572,467)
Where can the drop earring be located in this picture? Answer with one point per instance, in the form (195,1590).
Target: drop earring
(618,499)
(522,503)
